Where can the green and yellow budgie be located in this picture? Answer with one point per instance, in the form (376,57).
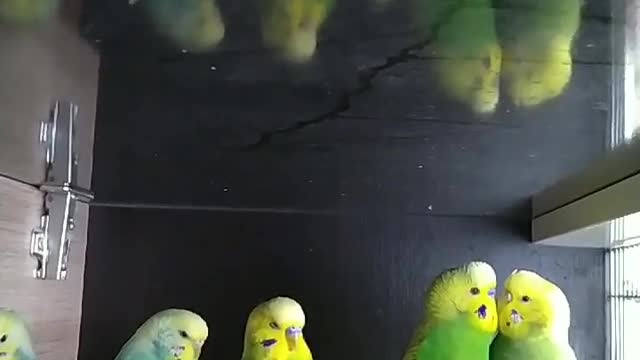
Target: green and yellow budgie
(15,341)
(274,332)
(467,57)
(536,38)
(290,27)
(193,25)
(534,319)
(460,318)
(172,334)
(27,12)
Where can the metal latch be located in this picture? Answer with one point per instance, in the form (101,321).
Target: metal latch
(50,241)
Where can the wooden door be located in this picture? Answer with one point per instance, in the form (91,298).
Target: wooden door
(40,65)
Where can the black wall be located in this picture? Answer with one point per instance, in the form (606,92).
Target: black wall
(343,184)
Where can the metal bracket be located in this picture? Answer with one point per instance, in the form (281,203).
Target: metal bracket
(50,241)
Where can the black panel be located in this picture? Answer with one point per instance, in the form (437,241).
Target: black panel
(360,278)
(346,182)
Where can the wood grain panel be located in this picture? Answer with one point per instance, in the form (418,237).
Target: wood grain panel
(39,66)
(52,308)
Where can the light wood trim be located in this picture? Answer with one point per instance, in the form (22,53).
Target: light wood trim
(52,308)
(39,66)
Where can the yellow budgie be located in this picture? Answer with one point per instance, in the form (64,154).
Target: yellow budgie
(170,334)
(534,320)
(467,55)
(27,11)
(15,342)
(274,332)
(536,38)
(193,25)
(290,27)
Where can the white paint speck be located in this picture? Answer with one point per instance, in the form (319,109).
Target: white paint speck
(213,68)
(429,207)
(590,45)
(343,194)
(225,189)
(420,166)
(184,51)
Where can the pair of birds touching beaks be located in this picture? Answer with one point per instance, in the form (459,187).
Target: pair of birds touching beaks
(462,321)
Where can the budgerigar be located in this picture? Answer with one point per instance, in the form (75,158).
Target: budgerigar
(15,341)
(536,38)
(192,25)
(274,332)
(290,27)
(460,318)
(467,57)
(27,12)
(534,319)
(172,334)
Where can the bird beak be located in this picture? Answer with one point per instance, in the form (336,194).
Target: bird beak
(293,334)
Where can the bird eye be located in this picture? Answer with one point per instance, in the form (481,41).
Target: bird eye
(474,291)
(274,325)
(183,334)
(3,338)
(268,343)
(492,293)
(526,299)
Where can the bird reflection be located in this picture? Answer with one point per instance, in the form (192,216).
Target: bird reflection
(27,12)
(466,50)
(290,27)
(536,38)
(193,25)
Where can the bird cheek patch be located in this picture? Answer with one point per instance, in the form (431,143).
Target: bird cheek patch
(269,343)
(514,318)
(177,351)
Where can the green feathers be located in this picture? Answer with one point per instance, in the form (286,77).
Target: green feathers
(467,55)
(536,38)
(15,341)
(459,309)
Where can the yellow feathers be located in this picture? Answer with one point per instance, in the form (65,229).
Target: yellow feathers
(532,305)
(15,342)
(468,291)
(274,331)
(291,26)
(536,38)
(194,25)
(469,58)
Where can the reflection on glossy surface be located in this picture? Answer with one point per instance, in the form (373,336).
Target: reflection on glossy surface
(27,12)
(290,27)
(468,56)
(536,38)
(193,25)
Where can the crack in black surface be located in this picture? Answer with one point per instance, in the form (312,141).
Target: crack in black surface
(365,80)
